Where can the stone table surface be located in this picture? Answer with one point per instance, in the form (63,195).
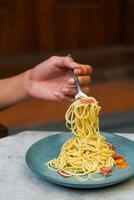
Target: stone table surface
(18,182)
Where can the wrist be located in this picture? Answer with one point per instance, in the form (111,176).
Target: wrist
(26,83)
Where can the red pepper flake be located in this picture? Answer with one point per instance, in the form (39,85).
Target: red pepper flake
(64,174)
(87,101)
(111,147)
(117,156)
(123,166)
(106,170)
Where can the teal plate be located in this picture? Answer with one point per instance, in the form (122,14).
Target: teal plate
(44,150)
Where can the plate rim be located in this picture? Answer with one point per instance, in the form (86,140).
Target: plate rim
(80,184)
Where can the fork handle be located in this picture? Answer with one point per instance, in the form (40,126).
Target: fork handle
(76,81)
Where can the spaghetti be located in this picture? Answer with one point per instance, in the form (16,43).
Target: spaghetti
(88,152)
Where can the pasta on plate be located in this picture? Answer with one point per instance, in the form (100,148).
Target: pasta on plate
(87,153)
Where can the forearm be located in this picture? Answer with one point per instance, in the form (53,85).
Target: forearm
(12,90)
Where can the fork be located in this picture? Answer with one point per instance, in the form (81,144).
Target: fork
(79,94)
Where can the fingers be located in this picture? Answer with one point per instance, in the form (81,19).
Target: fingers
(83,70)
(67,61)
(82,80)
(72,91)
(63,62)
(68,94)
(63,97)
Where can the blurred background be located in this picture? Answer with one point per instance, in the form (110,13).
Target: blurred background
(95,32)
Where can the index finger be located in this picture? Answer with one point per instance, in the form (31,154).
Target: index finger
(64,62)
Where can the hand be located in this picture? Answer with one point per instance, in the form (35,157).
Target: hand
(52,79)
